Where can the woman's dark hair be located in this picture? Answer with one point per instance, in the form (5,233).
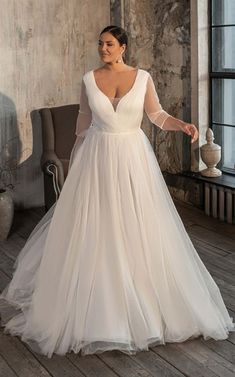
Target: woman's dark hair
(117,32)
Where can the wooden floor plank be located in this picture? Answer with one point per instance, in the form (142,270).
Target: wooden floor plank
(6,265)
(12,245)
(229,288)
(5,370)
(211,251)
(156,365)
(192,215)
(91,365)
(218,261)
(185,363)
(229,300)
(4,280)
(232,338)
(230,257)
(208,358)
(226,349)
(19,358)
(58,366)
(212,238)
(123,365)
(216,271)
(24,223)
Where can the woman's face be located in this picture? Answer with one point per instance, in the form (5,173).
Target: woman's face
(109,48)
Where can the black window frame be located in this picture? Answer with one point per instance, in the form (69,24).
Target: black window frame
(217,75)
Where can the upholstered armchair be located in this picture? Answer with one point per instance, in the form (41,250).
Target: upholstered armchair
(58,138)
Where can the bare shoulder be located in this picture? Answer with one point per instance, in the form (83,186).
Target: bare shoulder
(100,71)
(131,68)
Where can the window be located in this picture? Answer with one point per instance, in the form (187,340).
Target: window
(222,79)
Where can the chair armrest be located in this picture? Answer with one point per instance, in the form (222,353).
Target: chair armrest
(51,170)
(49,158)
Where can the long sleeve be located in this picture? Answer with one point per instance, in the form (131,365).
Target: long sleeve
(84,115)
(83,122)
(152,106)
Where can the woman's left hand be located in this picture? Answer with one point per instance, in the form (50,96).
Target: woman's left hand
(191,130)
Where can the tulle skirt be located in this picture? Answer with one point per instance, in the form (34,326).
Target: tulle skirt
(110,266)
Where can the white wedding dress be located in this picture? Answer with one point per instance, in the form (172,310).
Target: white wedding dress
(110,266)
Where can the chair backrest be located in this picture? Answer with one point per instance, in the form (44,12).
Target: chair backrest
(58,130)
(64,122)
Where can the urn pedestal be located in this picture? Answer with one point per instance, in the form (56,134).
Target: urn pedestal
(211,155)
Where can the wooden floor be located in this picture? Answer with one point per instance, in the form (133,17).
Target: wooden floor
(215,243)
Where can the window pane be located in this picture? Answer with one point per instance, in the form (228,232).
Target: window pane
(223,49)
(223,101)
(225,136)
(223,12)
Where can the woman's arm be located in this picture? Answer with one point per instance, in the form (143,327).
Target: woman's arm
(83,123)
(84,115)
(161,118)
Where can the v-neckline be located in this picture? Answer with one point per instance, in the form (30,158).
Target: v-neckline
(121,98)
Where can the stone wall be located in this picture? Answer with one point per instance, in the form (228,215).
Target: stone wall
(46,46)
(172,72)
(160,42)
(159,34)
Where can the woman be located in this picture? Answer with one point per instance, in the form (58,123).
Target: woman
(110,266)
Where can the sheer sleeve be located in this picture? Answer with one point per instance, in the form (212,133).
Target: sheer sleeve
(152,105)
(83,123)
(84,114)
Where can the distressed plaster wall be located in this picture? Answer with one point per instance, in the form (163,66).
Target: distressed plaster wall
(173,67)
(159,41)
(45,47)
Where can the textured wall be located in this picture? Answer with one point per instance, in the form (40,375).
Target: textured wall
(159,33)
(172,62)
(46,46)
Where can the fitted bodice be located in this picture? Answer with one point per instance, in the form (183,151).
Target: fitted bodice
(127,115)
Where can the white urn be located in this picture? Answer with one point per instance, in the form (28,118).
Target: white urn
(211,155)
